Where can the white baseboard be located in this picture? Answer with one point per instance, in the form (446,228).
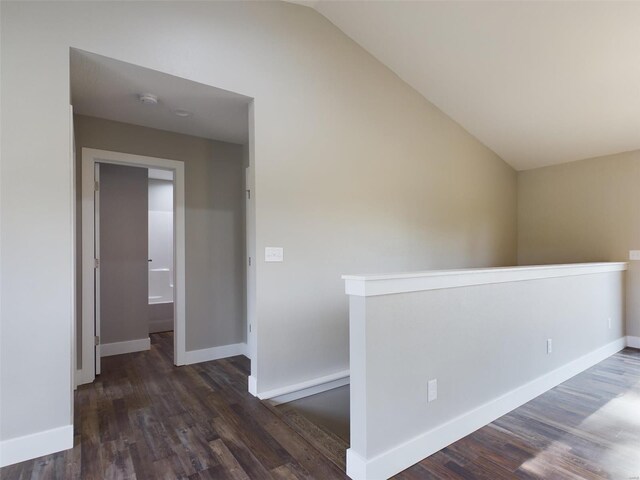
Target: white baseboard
(633,342)
(253,386)
(130,346)
(305,389)
(35,445)
(403,456)
(214,353)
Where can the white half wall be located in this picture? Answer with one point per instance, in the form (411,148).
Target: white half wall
(483,339)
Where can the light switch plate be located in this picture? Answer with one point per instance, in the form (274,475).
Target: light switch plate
(273,254)
(634,254)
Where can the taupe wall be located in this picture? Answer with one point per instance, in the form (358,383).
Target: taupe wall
(124,278)
(581,212)
(354,171)
(214,196)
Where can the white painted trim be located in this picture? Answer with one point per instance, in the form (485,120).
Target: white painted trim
(90,157)
(128,346)
(35,445)
(305,389)
(307,392)
(633,342)
(403,456)
(252,386)
(84,376)
(386,284)
(215,353)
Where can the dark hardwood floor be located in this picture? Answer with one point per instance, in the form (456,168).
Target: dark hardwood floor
(145,419)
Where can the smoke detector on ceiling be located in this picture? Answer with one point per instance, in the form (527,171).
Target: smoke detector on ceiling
(148,98)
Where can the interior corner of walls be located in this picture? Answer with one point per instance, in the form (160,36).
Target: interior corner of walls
(244,349)
(27,447)
(633,342)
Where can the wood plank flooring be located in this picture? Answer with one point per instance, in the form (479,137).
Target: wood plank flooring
(586,428)
(143,418)
(146,419)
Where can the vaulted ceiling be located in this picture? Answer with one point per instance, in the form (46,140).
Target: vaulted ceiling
(537,82)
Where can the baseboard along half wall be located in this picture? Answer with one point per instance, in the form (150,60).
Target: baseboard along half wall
(215,353)
(23,448)
(129,346)
(305,389)
(411,452)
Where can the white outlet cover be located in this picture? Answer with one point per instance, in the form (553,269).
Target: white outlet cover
(273,254)
(549,346)
(634,254)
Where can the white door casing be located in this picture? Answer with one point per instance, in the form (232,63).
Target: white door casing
(90,321)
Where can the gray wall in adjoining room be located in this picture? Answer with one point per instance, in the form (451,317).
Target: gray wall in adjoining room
(214,217)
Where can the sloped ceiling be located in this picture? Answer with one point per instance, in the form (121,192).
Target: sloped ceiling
(538,82)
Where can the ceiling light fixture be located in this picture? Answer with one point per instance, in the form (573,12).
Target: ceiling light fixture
(148,98)
(183,113)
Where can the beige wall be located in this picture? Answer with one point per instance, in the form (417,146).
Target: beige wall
(584,211)
(214,218)
(354,171)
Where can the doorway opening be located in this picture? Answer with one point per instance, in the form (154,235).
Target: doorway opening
(160,250)
(117,279)
(191,143)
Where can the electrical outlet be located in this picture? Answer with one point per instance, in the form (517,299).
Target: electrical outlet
(609,323)
(432,390)
(634,254)
(549,345)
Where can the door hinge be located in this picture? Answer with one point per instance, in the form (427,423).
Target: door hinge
(248,194)
(249,328)
(249,261)
(96,340)
(96,186)
(96,263)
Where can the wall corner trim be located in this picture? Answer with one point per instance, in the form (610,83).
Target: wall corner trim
(393,461)
(633,342)
(214,353)
(35,445)
(306,389)
(129,346)
(252,387)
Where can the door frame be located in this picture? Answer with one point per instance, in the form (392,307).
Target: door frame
(91,157)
